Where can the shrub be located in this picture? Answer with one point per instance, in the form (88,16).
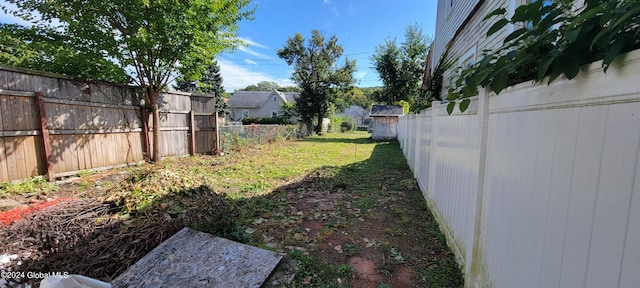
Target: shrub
(266,121)
(348,124)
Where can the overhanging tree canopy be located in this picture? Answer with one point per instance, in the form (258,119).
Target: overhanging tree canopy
(150,40)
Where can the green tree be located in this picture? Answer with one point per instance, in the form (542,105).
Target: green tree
(43,49)
(387,61)
(211,83)
(354,96)
(185,85)
(262,86)
(317,73)
(400,67)
(269,86)
(151,40)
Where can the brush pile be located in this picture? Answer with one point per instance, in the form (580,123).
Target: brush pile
(101,239)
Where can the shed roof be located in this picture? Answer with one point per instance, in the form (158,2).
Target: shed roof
(386,110)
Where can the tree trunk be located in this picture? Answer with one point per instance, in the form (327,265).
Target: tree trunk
(319,126)
(153,97)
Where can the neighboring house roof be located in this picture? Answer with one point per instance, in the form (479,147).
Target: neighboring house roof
(256,99)
(386,110)
(249,99)
(291,96)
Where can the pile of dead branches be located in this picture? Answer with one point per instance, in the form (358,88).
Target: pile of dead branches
(98,240)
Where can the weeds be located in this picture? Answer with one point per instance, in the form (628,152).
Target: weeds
(366,203)
(30,187)
(315,273)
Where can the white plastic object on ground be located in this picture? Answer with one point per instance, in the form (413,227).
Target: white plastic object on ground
(73,281)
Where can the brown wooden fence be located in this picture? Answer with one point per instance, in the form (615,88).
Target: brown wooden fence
(78,125)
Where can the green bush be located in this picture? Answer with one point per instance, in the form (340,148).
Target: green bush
(341,123)
(347,125)
(266,121)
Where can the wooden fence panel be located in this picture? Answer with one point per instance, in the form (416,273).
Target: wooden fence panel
(4,176)
(23,157)
(202,104)
(205,124)
(19,113)
(174,120)
(92,125)
(205,133)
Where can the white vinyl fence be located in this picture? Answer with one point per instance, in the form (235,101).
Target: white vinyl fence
(540,185)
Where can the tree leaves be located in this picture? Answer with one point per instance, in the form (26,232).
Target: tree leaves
(400,67)
(497,26)
(464,105)
(450,107)
(552,42)
(317,73)
(499,11)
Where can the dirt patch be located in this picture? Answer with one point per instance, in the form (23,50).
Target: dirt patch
(312,227)
(378,243)
(403,277)
(319,201)
(367,274)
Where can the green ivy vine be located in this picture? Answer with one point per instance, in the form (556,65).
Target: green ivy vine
(550,39)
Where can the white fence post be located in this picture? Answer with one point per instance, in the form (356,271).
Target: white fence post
(416,156)
(473,248)
(433,150)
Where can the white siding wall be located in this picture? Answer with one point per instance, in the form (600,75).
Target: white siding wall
(539,186)
(263,111)
(270,105)
(448,21)
(472,37)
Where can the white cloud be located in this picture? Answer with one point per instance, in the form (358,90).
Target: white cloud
(249,61)
(360,75)
(237,77)
(250,42)
(285,82)
(326,1)
(253,53)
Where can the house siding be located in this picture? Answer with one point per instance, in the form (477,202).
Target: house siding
(264,110)
(448,22)
(472,36)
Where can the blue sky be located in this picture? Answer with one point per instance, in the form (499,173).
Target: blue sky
(360,26)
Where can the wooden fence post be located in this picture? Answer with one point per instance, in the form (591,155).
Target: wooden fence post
(145,132)
(45,136)
(192,132)
(217,149)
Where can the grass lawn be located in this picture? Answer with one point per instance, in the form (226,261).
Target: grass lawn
(345,210)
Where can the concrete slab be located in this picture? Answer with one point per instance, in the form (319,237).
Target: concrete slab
(196,259)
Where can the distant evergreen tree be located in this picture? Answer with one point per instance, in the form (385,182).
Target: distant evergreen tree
(211,83)
(184,85)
